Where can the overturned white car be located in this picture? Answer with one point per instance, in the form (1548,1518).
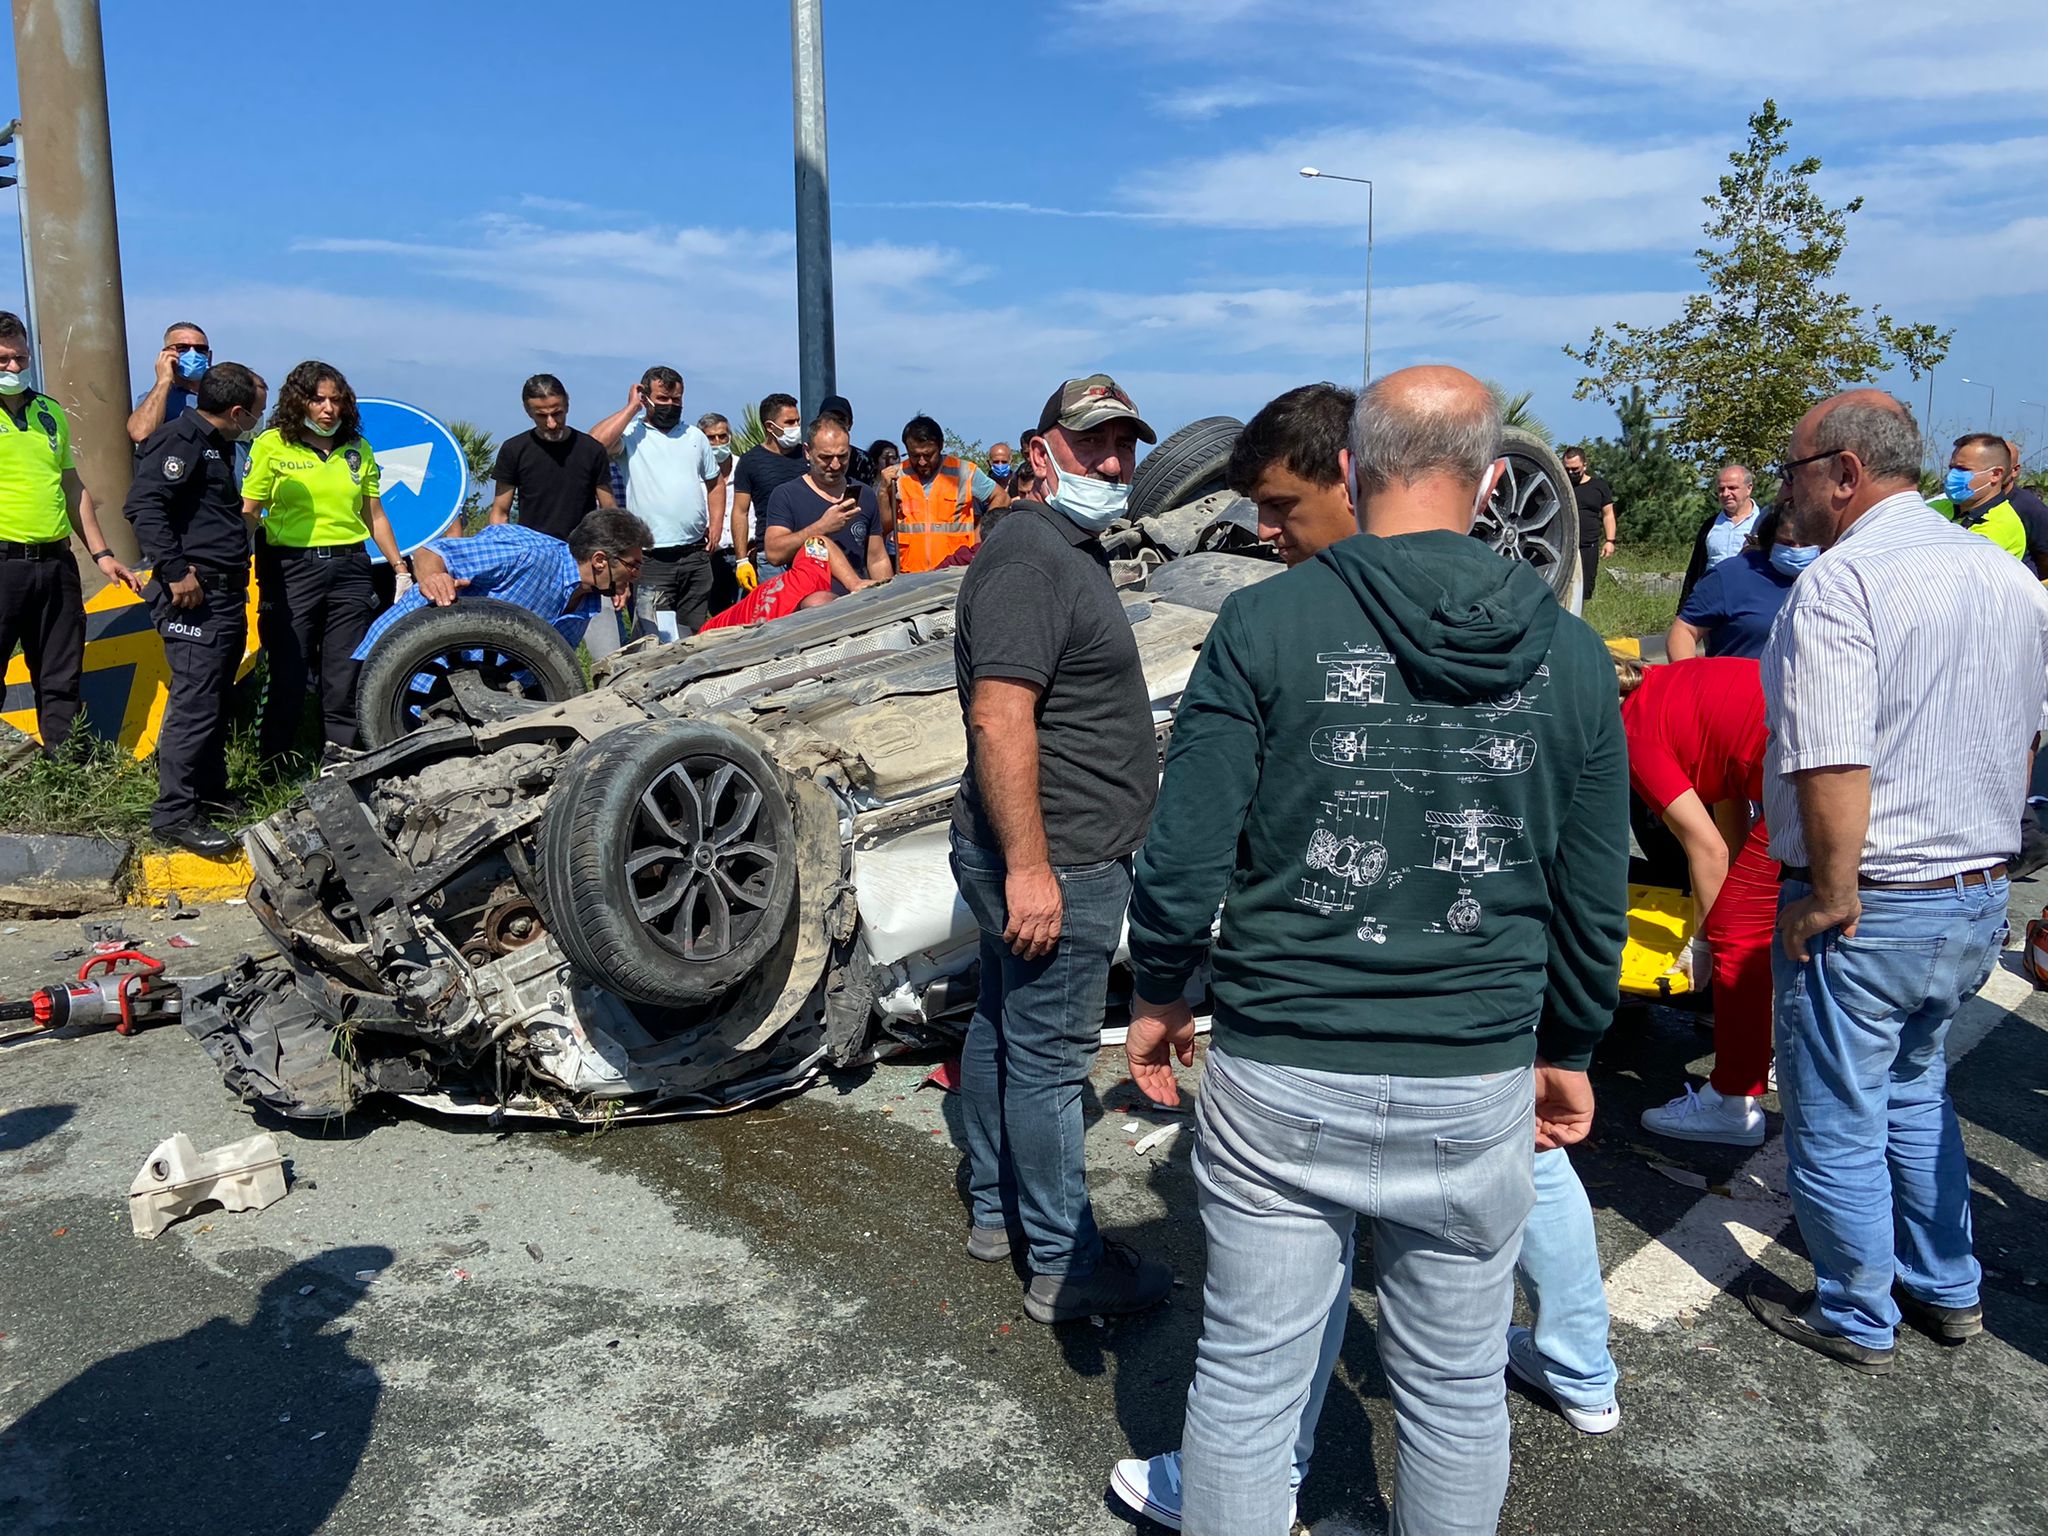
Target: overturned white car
(700,882)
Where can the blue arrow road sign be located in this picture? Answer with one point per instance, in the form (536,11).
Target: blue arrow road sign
(422,474)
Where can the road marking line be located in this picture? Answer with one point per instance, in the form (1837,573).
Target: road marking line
(1675,1275)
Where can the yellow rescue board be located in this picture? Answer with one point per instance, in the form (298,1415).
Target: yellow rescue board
(1659,928)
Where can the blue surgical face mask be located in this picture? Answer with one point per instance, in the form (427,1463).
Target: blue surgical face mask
(999,471)
(1794,558)
(1090,503)
(192,365)
(1957,485)
(721,452)
(315,427)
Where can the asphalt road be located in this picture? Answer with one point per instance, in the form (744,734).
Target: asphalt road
(766,1323)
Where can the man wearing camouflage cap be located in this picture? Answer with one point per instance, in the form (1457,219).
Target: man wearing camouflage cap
(1061,773)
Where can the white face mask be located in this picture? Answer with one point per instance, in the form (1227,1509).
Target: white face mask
(1090,503)
(793,438)
(12,383)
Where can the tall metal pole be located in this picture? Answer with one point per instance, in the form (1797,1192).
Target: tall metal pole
(1368,282)
(1992,390)
(12,136)
(817,370)
(1312,174)
(76,249)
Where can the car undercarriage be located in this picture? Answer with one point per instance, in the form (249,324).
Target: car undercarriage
(693,887)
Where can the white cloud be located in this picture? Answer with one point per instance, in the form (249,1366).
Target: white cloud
(1199,103)
(1509,188)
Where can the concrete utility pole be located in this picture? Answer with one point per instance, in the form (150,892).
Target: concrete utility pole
(82,356)
(817,370)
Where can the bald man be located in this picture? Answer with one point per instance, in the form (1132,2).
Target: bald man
(2033,513)
(1903,689)
(1402,966)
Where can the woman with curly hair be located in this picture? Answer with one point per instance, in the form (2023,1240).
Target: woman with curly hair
(313,480)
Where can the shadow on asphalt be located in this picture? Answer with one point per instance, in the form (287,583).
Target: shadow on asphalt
(169,1439)
(28,1125)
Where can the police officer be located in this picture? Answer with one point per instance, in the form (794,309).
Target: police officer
(42,606)
(187,515)
(314,480)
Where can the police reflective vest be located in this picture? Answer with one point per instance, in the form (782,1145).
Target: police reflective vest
(1998,522)
(35,450)
(933,521)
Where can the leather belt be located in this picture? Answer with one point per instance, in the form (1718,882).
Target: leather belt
(314,551)
(673,551)
(53,549)
(1968,877)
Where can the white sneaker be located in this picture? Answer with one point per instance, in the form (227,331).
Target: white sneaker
(1703,1115)
(1526,1361)
(1771,1077)
(1152,1489)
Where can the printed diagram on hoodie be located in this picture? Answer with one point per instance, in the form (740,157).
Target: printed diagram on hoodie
(1418,748)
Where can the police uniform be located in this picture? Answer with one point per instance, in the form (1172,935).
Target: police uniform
(314,585)
(187,515)
(42,606)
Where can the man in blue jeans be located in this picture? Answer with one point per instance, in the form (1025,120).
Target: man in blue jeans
(1061,775)
(1399,767)
(1904,686)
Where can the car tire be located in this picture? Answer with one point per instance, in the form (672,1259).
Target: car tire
(669,856)
(1186,465)
(1533,515)
(430,644)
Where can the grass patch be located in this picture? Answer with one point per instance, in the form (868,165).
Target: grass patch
(105,791)
(1621,607)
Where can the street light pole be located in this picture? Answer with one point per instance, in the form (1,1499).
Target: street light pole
(816,366)
(1990,390)
(1312,174)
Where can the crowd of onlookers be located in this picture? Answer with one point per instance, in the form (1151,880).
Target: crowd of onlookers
(1400,771)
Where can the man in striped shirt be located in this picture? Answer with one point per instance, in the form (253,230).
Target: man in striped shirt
(1904,684)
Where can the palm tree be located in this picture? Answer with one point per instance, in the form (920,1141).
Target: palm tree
(747,432)
(480,453)
(1515,412)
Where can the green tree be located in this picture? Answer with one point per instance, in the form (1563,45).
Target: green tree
(963,448)
(1659,502)
(747,432)
(1735,372)
(1515,412)
(480,453)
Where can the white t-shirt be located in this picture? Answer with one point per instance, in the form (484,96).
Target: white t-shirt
(666,480)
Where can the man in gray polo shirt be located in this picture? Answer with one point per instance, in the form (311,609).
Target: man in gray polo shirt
(1061,774)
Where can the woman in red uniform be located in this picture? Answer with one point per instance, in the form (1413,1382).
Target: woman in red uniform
(1695,734)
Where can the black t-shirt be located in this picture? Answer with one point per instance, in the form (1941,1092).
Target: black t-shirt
(1591,497)
(557,482)
(1037,605)
(796,506)
(760,473)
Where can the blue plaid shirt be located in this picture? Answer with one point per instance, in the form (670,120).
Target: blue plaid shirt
(512,564)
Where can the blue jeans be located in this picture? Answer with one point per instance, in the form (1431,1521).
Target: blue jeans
(1036,1031)
(1285,1161)
(1879,1183)
(1560,1269)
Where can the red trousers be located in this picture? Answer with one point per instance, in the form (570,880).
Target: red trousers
(1740,928)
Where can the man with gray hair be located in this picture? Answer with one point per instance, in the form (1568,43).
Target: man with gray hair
(1904,684)
(1722,536)
(1398,766)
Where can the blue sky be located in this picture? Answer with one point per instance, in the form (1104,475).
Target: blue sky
(443,197)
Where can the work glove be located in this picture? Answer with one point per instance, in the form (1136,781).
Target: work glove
(743,571)
(1696,963)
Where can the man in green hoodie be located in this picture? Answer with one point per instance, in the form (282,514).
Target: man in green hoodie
(1400,768)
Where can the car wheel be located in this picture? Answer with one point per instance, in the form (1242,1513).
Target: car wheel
(1533,515)
(418,665)
(1186,465)
(669,857)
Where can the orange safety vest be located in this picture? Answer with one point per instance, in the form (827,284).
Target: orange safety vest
(932,523)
